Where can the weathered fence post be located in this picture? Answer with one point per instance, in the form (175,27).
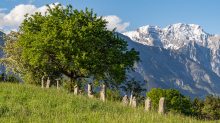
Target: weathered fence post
(134,102)
(103,92)
(148,104)
(48,82)
(58,82)
(162,106)
(125,101)
(42,83)
(76,90)
(90,93)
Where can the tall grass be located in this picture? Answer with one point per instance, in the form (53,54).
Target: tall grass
(29,103)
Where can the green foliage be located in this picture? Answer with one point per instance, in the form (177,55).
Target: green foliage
(2,77)
(96,94)
(13,63)
(197,106)
(208,109)
(174,100)
(133,85)
(211,107)
(134,88)
(113,95)
(77,44)
(10,78)
(141,100)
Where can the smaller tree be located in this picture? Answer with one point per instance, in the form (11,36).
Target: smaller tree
(211,108)
(10,78)
(135,89)
(174,100)
(141,100)
(195,106)
(2,77)
(201,106)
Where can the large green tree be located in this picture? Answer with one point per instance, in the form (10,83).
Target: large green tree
(77,44)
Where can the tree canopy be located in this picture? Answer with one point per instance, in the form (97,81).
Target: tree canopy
(77,44)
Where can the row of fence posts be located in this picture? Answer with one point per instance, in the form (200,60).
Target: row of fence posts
(125,100)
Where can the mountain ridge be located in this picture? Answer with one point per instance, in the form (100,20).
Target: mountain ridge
(169,68)
(180,36)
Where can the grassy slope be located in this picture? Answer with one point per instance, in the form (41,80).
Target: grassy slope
(28,103)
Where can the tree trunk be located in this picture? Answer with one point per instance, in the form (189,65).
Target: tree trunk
(70,80)
(70,83)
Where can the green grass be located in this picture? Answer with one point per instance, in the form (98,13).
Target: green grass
(29,103)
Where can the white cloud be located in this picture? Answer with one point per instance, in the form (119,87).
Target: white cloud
(30,1)
(114,22)
(16,15)
(2,9)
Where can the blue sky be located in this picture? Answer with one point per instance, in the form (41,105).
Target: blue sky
(126,15)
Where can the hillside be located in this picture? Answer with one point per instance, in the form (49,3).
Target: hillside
(28,103)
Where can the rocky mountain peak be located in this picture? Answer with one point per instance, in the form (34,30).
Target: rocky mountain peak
(186,31)
(204,49)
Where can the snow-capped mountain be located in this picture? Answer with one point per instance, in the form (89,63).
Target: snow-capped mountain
(171,37)
(189,39)
(169,68)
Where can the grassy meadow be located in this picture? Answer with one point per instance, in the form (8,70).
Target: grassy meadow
(31,104)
